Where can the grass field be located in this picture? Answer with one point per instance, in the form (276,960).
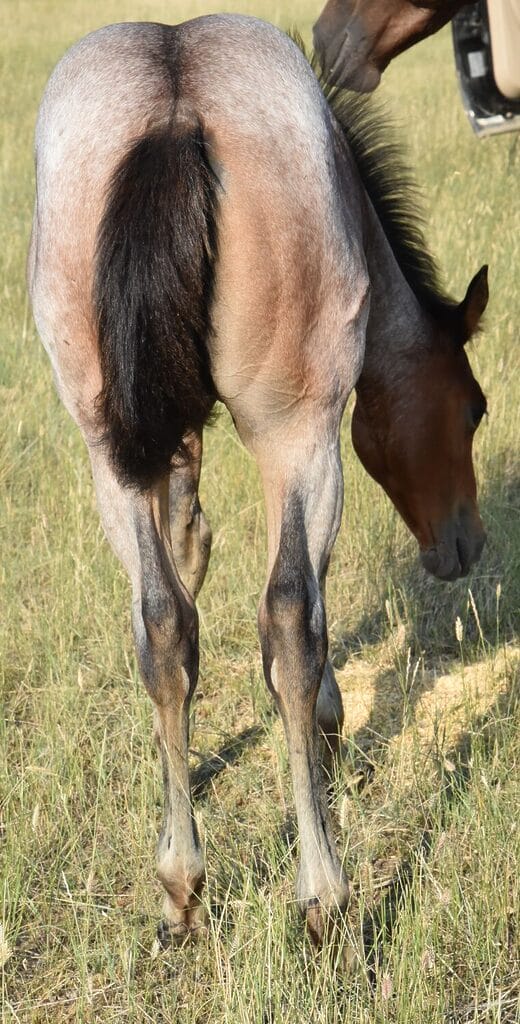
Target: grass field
(427,798)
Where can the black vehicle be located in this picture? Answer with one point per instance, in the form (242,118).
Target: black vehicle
(486,40)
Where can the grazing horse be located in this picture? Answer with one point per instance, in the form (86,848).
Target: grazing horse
(208,227)
(356,39)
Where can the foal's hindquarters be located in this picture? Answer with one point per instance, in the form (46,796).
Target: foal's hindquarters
(289,304)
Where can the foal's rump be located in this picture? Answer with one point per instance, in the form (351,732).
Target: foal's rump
(186,234)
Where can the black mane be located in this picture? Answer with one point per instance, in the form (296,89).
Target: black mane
(371,137)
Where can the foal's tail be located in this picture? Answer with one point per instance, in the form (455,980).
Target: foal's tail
(153,280)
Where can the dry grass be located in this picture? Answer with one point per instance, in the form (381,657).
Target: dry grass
(427,798)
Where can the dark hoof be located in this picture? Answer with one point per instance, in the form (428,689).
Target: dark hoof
(178,934)
(163,934)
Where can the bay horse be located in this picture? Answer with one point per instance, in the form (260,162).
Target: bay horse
(207,226)
(356,39)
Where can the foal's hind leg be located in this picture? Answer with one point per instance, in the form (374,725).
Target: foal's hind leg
(166,635)
(304,491)
(189,528)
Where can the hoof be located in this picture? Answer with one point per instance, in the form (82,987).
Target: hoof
(180,925)
(169,934)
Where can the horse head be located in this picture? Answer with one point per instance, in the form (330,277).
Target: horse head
(414,435)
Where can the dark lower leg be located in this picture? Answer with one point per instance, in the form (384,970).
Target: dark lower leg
(166,633)
(294,646)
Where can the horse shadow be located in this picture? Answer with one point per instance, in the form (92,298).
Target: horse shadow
(202,777)
(379,922)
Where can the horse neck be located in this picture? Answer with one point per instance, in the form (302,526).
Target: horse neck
(397,324)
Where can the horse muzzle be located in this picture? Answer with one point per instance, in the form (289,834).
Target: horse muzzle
(457,550)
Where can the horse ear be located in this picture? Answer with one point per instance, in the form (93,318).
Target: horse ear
(473,304)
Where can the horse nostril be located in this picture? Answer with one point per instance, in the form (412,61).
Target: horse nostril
(444,564)
(463,556)
(469,550)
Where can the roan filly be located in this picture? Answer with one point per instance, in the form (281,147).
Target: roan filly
(206,227)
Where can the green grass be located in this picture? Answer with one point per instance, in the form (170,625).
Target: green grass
(427,799)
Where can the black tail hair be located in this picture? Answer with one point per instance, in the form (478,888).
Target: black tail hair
(156,249)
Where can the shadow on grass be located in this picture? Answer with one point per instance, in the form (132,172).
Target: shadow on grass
(230,752)
(395,701)
(380,922)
